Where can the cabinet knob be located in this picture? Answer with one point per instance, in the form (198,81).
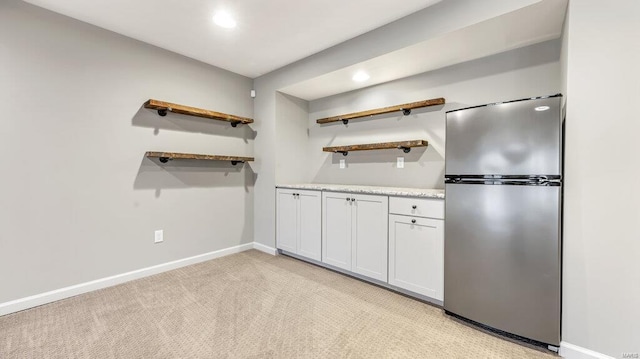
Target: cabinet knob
(414,206)
(353,199)
(348,199)
(413,221)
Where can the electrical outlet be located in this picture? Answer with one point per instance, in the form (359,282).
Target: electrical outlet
(400,162)
(343,164)
(159,236)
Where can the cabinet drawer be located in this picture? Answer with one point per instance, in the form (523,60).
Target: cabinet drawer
(418,207)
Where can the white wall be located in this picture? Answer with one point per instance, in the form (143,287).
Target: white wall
(79,201)
(602,211)
(526,72)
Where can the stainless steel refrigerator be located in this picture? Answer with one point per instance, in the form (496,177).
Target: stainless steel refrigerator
(503,216)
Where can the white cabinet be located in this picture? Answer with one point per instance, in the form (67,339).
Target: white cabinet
(336,229)
(417,207)
(369,236)
(416,251)
(298,222)
(309,224)
(286,220)
(354,235)
(396,241)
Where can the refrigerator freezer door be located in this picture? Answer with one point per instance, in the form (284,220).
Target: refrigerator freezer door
(514,138)
(502,257)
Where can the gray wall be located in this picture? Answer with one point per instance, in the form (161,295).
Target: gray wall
(291,139)
(602,211)
(598,72)
(79,201)
(564,53)
(526,72)
(423,25)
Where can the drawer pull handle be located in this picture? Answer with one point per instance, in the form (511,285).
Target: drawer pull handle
(414,206)
(413,221)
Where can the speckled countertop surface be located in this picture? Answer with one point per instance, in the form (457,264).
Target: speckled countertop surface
(389,191)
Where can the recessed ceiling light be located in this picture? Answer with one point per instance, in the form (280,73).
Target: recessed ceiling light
(542,108)
(223,19)
(360,76)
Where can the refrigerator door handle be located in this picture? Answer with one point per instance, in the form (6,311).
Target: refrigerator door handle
(504,182)
(523,180)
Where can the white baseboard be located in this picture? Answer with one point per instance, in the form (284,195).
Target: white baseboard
(62,293)
(266,249)
(571,351)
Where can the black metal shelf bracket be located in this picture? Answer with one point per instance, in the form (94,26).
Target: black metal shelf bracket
(346,122)
(162,112)
(235,123)
(404,149)
(233,163)
(406,111)
(165,159)
(344,153)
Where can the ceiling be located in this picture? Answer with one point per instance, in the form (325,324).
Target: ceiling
(269,34)
(531,24)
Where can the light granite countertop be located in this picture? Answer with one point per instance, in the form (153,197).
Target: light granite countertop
(389,191)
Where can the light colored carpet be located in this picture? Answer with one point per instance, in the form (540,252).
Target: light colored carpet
(248,305)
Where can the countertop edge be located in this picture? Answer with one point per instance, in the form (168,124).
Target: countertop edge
(389,191)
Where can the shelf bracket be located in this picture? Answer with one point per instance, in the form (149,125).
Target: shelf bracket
(346,122)
(165,159)
(404,149)
(235,123)
(406,111)
(233,163)
(162,112)
(344,153)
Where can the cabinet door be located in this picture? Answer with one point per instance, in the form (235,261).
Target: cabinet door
(287,220)
(369,236)
(309,220)
(336,229)
(416,255)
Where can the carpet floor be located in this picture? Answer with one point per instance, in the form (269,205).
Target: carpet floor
(247,305)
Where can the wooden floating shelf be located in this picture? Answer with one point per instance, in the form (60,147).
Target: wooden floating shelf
(402,145)
(164,107)
(166,156)
(405,108)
